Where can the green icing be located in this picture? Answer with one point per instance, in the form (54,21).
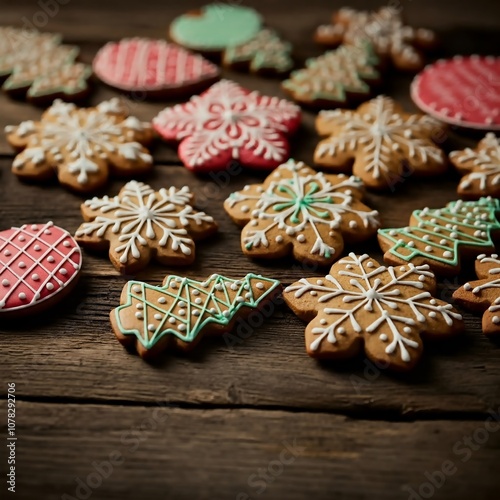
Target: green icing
(217,27)
(195,295)
(478,216)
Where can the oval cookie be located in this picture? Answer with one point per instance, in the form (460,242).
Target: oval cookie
(463,91)
(154,67)
(39,265)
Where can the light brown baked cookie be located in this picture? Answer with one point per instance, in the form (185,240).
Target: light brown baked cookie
(178,314)
(380,143)
(298,210)
(361,305)
(443,237)
(480,168)
(483,295)
(385,29)
(82,146)
(141,224)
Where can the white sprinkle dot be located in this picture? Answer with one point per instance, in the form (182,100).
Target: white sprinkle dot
(5,282)
(50,286)
(35,277)
(383,337)
(22,296)
(158,316)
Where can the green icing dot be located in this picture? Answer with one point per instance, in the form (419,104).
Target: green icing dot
(218,26)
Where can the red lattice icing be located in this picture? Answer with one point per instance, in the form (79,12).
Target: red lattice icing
(463,91)
(36,263)
(150,65)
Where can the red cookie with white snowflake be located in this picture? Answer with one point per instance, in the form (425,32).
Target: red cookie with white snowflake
(39,265)
(230,123)
(463,91)
(154,68)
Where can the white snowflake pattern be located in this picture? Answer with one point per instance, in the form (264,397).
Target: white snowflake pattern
(381,139)
(142,217)
(228,122)
(361,298)
(481,167)
(295,199)
(83,142)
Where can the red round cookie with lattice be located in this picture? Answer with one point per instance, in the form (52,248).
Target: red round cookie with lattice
(230,123)
(39,265)
(154,68)
(463,91)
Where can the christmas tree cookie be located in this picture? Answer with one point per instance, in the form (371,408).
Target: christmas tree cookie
(442,237)
(178,314)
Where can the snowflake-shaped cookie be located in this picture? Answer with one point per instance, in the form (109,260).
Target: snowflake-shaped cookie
(140,224)
(82,145)
(387,32)
(480,168)
(302,211)
(229,122)
(484,294)
(361,302)
(385,143)
(37,65)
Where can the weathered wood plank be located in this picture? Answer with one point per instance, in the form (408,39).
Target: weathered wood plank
(169,453)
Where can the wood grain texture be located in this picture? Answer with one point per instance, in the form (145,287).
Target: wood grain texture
(366,434)
(243,454)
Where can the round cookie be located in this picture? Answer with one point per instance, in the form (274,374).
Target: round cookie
(215,27)
(154,68)
(39,265)
(463,91)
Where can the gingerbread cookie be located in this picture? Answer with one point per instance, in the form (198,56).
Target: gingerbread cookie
(480,168)
(361,304)
(230,123)
(442,237)
(82,146)
(140,224)
(154,68)
(484,295)
(36,65)
(216,27)
(266,54)
(182,311)
(336,79)
(39,265)
(463,91)
(383,141)
(298,210)
(385,29)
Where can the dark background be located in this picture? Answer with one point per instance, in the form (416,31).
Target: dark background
(220,422)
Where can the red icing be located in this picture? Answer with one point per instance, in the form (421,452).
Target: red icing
(462,91)
(229,122)
(36,262)
(149,65)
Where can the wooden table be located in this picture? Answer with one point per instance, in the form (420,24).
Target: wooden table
(258,419)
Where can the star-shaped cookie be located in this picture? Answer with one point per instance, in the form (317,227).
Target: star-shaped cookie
(140,224)
(230,123)
(383,144)
(480,168)
(298,210)
(483,295)
(361,304)
(82,146)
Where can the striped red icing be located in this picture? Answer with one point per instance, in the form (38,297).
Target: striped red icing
(150,65)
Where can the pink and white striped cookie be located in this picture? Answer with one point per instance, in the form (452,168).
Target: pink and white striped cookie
(154,68)
(39,265)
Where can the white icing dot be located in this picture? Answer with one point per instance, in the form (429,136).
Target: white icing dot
(198,300)
(21,238)
(319,282)
(182,327)
(301,238)
(22,296)
(369,264)
(279,238)
(66,244)
(245,208)
(182,312)
(139,306)
(323,321)
(63,271)
(139,315)
(50,286)
(432,314)
(51,259)
(7,253)
(259,285)
(383,337)
(22,264)
(35,277)
(151,327)
(162,300)
(171,320)
(353,224)
(467,286)
(5,282)
(407,329)
(290,231)
(173,284)
(195,292)
(34,227)
(411,244)
(136,289)
(313,293)
(37,248)
(495,320)
(340,330)
(158,316)
(421,278)
(447,254)
(239,299)
(234,286)
(428,248)
(196,312)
